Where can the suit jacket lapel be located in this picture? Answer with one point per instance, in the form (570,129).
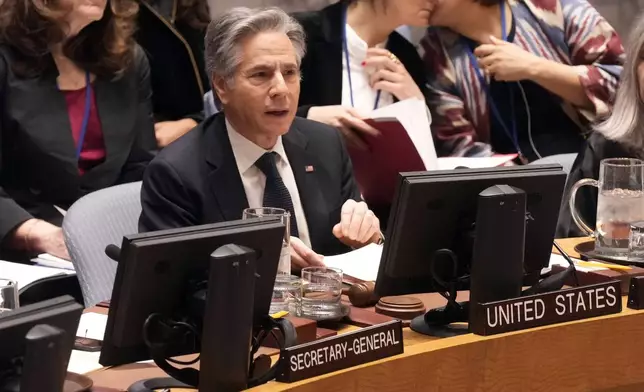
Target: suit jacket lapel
(224,180)
(313,202)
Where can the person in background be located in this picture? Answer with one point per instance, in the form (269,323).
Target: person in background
(171,33)
(524,77)
(357,62)
(75,116)
(621,135)
(256,153)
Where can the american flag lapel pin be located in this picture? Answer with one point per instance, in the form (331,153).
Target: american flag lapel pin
(309,168)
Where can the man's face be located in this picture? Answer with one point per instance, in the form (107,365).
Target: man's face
(262,98)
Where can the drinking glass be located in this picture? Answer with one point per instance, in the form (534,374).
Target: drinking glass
(284,282)
(8,295)
(620,203)
(284,267)
(321,292)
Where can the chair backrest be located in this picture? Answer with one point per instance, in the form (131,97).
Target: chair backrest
(209,106)
(93,222)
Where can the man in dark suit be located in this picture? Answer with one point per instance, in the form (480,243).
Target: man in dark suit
(255,153)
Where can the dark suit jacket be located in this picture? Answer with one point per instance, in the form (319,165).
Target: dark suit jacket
(176,56)
(586,165)
(322,65)
(195,180)
(38,167)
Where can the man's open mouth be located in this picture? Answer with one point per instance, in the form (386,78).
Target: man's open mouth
(277,113)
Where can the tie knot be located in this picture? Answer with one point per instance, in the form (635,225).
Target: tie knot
(267,163)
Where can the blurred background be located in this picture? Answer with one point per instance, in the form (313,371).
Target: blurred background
(620,13)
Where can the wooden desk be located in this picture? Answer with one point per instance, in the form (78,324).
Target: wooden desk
(600,354)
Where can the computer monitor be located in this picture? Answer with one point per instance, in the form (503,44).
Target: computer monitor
(35,344)
(437,210)
(158,271)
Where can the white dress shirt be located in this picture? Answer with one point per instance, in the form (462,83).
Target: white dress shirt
(246,154)
(364,96)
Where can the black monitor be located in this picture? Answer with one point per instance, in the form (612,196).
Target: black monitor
(158,271)
(437,210)
(35,344)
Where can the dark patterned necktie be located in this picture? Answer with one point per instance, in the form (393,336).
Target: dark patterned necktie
(276,194)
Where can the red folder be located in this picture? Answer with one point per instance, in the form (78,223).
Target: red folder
(377,167)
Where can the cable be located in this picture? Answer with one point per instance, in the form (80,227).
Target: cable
(529,115)
(570,262)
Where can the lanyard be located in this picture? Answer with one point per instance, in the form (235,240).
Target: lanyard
(345,47)
(510,132)
(88,104)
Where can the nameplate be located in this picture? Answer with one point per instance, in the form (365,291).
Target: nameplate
(341,352)
(546,309)
(636,293)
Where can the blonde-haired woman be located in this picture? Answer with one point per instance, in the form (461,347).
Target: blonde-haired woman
(619,135)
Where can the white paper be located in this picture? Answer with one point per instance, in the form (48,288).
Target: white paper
(409,113)
(26,274)
(559,260)
(92,326)
(449,163)
(47,260)
(81,362)
(361,263)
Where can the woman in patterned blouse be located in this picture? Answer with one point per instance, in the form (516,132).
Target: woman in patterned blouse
(518,76)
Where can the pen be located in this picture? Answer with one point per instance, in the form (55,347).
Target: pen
(616,267)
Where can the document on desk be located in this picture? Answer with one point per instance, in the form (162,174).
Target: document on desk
(559,260)
(92,325)
(47,260)
(405,144)
(360,264)
(26,274)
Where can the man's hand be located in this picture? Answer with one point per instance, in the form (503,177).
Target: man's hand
(39,236)
(358,225)
(168,131)
(302,256)
(506,61)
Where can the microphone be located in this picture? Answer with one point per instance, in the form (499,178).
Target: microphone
(113,252)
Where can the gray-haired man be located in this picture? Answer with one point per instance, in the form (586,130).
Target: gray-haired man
(256,153)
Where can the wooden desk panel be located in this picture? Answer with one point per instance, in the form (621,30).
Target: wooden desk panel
(600,354)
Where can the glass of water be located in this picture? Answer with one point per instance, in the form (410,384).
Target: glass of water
(321,292)
(8,295)
(284,282)
(620,203)
(284,267)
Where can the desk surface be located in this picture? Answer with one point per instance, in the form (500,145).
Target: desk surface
(598,354)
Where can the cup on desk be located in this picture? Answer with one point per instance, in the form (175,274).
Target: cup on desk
(285,283)
(620,204)
(8,295)
(321,292)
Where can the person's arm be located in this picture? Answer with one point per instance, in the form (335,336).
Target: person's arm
(19,230)
(12,215)
(454,133)
(165,200)
(596,53)
(145,145)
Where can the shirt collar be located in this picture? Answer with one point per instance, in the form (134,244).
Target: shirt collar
(247,152)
